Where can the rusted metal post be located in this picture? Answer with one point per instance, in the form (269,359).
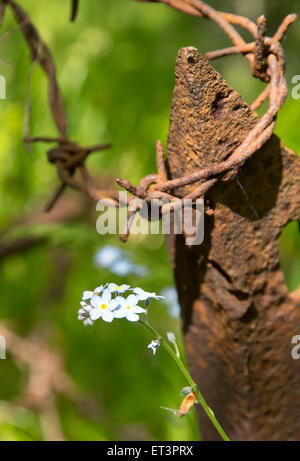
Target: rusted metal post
(238,316)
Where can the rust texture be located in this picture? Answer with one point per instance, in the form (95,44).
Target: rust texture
(238,316)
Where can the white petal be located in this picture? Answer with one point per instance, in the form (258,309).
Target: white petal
(119,313)
(125,287)
(106,297)
(111,286)
(132,317)
(137,310)
(153,348)
(113,304)
(138,290)
(143,296)
(95,314)
(117,303)
(87,295)
(107,316)
(154,345)
(132,300)
(120,300)
(96,301)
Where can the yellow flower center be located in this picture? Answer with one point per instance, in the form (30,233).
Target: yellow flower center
(128,307)
(118,288)
(103,306)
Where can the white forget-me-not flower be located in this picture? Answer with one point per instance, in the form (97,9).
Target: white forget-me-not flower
(154,345)
(144,295)
(127,308)
(114,288)
(89,294)
(102,307)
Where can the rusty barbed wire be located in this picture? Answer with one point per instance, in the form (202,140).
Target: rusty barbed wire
(267,62)
(68,155)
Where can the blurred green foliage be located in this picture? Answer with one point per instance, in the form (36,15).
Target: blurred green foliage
(116,69)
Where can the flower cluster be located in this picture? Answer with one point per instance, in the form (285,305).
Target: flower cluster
(105,302)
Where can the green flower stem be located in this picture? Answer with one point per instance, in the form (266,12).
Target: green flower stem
(189,379)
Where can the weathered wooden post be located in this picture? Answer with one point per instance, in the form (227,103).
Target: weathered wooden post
(238,316)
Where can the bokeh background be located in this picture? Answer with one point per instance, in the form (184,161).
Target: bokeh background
(116,69)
